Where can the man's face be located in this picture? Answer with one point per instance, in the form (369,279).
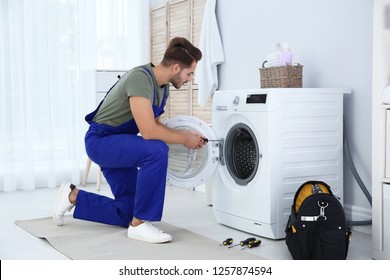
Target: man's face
(183,76)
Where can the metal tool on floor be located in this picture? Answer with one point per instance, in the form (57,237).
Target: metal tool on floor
(253,244)
(226,242)
(244,242)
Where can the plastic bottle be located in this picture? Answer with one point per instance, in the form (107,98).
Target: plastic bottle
(273,57)
(285,55)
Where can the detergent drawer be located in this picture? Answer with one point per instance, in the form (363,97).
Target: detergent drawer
(240,101)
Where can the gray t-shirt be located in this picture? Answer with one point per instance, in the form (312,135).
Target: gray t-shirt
(115,109)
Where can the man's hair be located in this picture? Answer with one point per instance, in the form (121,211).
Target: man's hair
(181,51)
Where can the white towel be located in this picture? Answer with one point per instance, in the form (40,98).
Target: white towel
(212,54)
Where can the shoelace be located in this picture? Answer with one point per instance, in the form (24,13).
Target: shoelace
(153,228)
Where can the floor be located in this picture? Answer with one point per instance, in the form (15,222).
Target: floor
(184,208)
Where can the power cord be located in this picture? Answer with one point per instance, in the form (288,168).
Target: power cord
(356,176)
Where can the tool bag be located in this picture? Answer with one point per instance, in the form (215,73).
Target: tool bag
(317,228)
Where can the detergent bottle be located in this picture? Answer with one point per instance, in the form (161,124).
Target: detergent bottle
(285,55)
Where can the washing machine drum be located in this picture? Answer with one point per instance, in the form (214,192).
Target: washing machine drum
(242,153)
(190,168)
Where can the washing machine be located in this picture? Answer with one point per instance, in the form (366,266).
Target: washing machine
(263,144)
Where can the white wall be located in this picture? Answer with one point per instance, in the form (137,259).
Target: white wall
(332,39)
(156,2)
(122,31)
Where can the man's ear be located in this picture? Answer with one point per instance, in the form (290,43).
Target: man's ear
(175,68)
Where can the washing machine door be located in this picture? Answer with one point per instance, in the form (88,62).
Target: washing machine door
(188,168)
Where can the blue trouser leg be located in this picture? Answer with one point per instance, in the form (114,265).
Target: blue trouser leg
(135,169)
(102,209)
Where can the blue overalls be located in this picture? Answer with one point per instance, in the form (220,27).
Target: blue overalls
(134,168)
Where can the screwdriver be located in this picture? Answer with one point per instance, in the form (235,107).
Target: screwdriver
(206,140)
(254,244)
(227,242)
(244,242)
(247,241)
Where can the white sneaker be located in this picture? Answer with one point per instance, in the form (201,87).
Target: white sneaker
(63,204)
(147,232)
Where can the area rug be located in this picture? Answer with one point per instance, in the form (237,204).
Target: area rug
(81,240)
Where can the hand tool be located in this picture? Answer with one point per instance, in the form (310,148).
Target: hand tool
(244,242)
(247,241)
(253,244)
(206,140)
(227,242)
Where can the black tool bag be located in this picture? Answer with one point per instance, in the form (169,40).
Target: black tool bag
(317,228)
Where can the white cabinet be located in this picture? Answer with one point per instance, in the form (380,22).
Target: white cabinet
(104,80)
(387,147)
(380,132)
(386,217)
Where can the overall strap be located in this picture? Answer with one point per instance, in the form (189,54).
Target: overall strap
(88,118)
(155,91)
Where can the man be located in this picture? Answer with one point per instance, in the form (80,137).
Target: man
(134,166)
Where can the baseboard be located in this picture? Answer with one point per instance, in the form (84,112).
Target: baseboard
(360,214)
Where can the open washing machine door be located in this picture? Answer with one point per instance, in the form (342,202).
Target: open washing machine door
(188,168)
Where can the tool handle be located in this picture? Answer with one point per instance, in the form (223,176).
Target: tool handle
(254,243)
(246,241)
(227,241)
(204,139)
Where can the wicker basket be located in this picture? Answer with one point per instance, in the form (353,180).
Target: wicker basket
(289,76)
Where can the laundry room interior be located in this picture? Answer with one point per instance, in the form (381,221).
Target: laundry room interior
(263,142)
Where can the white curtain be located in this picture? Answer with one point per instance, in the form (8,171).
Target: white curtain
(123,36)
(49,51)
